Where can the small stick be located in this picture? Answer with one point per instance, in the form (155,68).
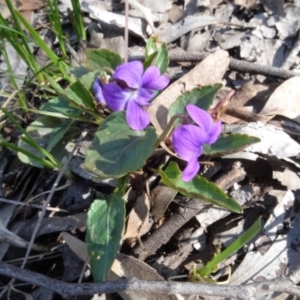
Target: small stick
(235,64)
(249,291)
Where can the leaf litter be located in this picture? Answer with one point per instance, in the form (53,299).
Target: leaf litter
(262,34)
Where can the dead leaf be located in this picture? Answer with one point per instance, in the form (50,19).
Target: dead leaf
(29,5)
(175,13)
(168,32)
(146,12)
(161,197)
(138,219)
(210,71)
(285,100)
(245,3)
(26,7)
(273,141)
(135,25)
(157,5)
(54,224)
(287,178)
(282,172)
(76,245)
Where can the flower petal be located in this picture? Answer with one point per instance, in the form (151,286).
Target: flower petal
(200,117)
(131,73)
(188,141)
(144,96)
(215,132)
(136,117)
(98,92)
(116,98)
(153,81)
(190,170)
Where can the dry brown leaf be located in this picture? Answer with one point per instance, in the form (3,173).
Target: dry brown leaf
(210,71)
(26,7)
(76,245)
(161,197)
(245,3)
(175,13)
(254,96)
(138,219)
(285,100)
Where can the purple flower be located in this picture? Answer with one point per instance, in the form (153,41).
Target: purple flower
(131,89)
(188,139)
(97,87)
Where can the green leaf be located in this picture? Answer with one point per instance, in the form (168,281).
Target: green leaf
(77,94)
(88,79)
(156,56)
(105,224)
(230,144)
(60,105)
(99,58)
(117,150)
(79,71)
(201,97)
(247,236)
(81,95)
(46,132)
(198,187)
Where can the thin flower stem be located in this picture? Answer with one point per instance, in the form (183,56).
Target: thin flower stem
(170,126)
(126,31)
(108,69)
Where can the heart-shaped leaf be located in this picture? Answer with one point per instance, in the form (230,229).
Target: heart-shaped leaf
(60,105)
(230,144)
(201,97)
(198,187)
(99,58)
(117,150)
(88,79)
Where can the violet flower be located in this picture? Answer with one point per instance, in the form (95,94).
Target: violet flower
(97,87)
(131,89)
(188,139)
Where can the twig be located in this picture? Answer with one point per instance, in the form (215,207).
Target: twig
(235,64)
(250,291)
(246,115)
